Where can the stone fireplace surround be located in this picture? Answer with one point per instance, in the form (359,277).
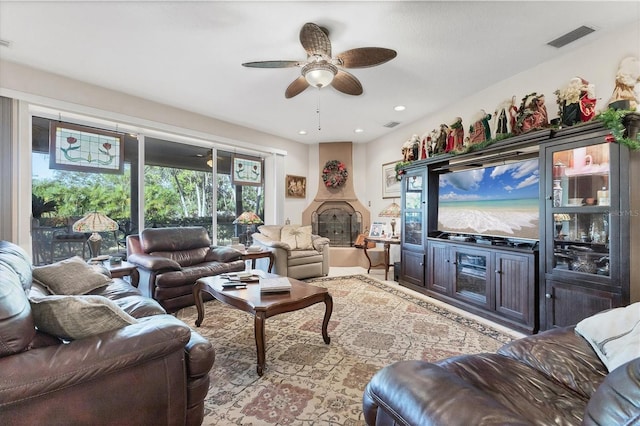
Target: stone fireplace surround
(337,200)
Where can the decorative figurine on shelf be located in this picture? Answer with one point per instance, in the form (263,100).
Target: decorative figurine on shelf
(576,102)
(532,114)
(439,139)
(505,117)
(480,131)
(411,148)
(425,146)
(455,136)
(625,94)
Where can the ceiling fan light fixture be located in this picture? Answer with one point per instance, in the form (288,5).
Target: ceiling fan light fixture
(319,74)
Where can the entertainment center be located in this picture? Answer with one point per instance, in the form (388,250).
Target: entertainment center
(532,232)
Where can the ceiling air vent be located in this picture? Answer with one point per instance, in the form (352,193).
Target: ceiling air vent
(571,36)
(391,124)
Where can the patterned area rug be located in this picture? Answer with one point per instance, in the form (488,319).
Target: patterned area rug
(309,383)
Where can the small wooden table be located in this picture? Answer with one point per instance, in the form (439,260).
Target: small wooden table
(253,255)
(264,305)
(123,269)
(387,246)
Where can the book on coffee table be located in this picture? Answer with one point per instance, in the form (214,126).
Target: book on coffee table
(274,285)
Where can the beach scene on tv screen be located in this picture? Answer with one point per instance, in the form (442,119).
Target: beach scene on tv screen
(500,201)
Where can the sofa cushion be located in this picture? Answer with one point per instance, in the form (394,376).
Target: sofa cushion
(271,231)
(70,276)
(614,334)
(77,317)
(297,237)
(223,254)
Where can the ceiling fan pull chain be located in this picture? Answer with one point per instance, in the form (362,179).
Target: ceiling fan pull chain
(318,109)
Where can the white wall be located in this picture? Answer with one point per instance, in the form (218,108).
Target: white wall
(596,62)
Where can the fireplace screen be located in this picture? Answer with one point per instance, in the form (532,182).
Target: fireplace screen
(338,224)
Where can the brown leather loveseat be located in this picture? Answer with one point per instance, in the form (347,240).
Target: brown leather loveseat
(153,370)
(170,260)
(553,378)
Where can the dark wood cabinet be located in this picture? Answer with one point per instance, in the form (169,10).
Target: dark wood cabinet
(496,283)
(587,225)
(589,222)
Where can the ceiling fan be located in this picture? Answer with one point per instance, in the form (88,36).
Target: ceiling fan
(321,69)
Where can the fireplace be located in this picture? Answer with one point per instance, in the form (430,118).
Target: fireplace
(336,213)
(338,221)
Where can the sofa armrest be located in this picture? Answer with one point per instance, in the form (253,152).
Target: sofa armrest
(153,263)
(319,243)
(223,254)
(34,374)
(421,393)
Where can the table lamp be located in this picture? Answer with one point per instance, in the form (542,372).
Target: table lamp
(392,211)
(248,219)
(95,222)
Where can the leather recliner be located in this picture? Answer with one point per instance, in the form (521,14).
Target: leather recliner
(155,371)
(170,260)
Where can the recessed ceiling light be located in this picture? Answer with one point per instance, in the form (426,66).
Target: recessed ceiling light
(399,108)
(358,130)
(302,132)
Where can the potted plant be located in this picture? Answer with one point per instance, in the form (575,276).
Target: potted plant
(39,206)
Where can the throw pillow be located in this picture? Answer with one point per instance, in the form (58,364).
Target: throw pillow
(77,317)
(297,237)
(70,276)
(614,334)
(271,231)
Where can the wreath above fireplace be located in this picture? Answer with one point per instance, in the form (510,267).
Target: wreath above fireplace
(334,174)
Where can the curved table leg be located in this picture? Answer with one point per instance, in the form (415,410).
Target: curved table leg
(328,302)
(259,333)
(197,295)
(367,255)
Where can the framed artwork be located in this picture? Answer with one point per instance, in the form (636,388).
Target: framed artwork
(390,185)
(85,149)
(296,186)
(377,229)
(247,170)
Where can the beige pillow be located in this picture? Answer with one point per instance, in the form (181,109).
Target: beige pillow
(77,317)
(297,237)
(70,276)
(271,231)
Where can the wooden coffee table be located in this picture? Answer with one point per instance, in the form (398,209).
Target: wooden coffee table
(263,306)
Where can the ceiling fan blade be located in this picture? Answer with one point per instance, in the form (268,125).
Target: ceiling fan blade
(315,41)
(272,64)
(347,83)
(296,87)
(365,57)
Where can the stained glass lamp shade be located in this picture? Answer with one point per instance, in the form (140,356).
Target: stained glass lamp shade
(249,219)
(95,222)
(393,211)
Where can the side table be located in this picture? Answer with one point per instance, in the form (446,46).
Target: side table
(123,269)
(387,246)
(253,255)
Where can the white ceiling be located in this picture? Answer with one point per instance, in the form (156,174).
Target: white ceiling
(189,54)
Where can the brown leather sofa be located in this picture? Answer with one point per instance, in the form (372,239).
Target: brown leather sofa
(553,378)
(170,260)
(152,372)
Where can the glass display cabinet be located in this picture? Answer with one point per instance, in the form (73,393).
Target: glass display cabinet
(413,228)
(585,266)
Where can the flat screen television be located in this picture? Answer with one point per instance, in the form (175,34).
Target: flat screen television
(497,201)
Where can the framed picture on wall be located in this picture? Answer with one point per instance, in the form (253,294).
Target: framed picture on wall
(85,149)
(247,170)
(296,186)
(390,185)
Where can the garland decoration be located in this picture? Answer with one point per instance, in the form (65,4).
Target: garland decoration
(400,165)
(614,120)
(334,174)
